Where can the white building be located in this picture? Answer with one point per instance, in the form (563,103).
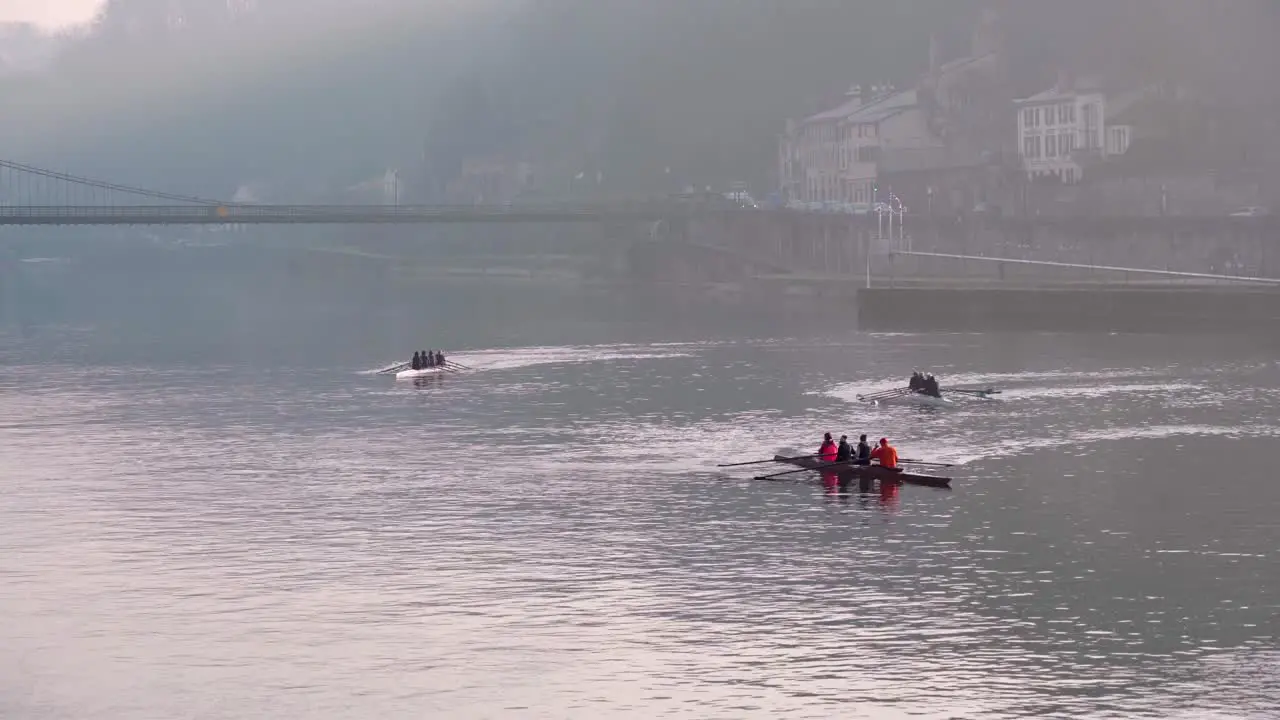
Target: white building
(833,157)
(836,156)
(1061,127)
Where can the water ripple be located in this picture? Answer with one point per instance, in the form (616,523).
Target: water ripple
(550,537)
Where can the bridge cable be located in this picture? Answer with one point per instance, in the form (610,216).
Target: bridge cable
(127,189)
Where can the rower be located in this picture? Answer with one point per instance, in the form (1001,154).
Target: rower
(886,454)
(429,360)
(416,362)
(864,451)
(827,451)
(440,358)
(843,452)
(931,387)
(917,380)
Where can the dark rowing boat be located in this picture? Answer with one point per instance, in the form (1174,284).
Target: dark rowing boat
(867,472)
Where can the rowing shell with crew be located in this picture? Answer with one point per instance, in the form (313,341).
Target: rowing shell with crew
(862,463)
(924,390)
(424,363)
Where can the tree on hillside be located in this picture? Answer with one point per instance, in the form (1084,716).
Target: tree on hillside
(631,88)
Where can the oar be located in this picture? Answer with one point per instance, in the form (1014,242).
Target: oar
(924,463)
(393,369)
(812,469)
(887,393)
(892,391)
(450,363)
(762,462)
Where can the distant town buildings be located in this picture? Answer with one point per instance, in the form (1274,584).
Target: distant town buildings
(939,133)
(489,179)
(1070,123)
(963,142)
(833,157)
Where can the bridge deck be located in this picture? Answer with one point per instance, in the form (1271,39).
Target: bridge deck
(333,215)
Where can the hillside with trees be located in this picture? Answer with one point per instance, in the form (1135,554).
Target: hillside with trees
(310,96)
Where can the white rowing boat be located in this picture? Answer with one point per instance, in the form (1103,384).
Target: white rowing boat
(424,372)
(947,399)
(917,398)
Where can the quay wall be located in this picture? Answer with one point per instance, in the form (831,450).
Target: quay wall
(1088,307)
(839,244)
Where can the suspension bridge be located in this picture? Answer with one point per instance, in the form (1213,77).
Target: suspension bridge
(34,196)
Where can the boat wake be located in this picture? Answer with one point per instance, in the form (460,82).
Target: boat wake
(516,358)
(964,449)
(1097,391)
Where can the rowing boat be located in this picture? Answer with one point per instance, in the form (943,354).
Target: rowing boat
(424,372)
(922,399)
(867,472)
(947,398)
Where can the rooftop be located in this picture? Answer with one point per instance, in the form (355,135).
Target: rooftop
(1058,93)
(856,111)
(961,63)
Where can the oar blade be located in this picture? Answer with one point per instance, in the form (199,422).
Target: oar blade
(926,463)
(770,460)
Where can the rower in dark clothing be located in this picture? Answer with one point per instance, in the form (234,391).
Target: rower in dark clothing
(843,452)
(917,381)
(428,360)
(416,362)
(931,387)
(440,358)
(864,451)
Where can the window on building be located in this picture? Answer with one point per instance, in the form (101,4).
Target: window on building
(1039,148)
(1122,139)
(1028,147)
(1026,117)
(1051,146)
(1066,143)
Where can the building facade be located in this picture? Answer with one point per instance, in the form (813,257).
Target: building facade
(832,158)
(1062,129)
(957,112)
(489,179)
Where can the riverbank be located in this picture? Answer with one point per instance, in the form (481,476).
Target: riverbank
(1150,307)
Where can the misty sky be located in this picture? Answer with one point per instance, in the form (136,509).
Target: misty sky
(48,13)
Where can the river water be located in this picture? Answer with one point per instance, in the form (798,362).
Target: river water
(210,511)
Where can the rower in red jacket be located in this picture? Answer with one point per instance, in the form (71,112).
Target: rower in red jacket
(828,451)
